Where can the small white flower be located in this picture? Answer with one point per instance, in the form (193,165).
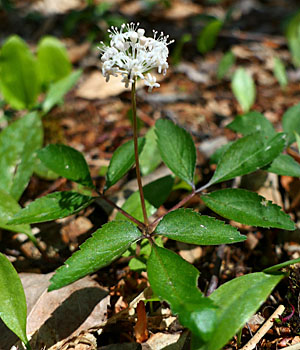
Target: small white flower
(150,81)
(132,54)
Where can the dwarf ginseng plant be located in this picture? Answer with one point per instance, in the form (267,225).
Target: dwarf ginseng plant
(212,320)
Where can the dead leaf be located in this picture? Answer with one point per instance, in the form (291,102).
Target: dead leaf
(159,341)
(96,87)
(61,314)
(47,7)
(140,329)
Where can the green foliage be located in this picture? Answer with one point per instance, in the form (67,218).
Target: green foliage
(155,194)
(243,88)
(67,162)
(177,51)
(290,122)
(133,207)
(121,161)
(207,39)
(226,62)
(284,165)
(106,245)
(293,38)
(247,208)
(247,155)
(19,81)
(177,149)
(18,145)
(252,122)
(187,226)
(22,76)
(51,207)
(8,208)
(236,301)
(53,60)
(169,275)
(280,72)
(277,267)
(150,157)
(13,309)
(298,140)
(58,89)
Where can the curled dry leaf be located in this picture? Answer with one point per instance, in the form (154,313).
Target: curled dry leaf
(59,315)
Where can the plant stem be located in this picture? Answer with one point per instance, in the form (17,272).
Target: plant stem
(136,153)
(140,224)
(178,205)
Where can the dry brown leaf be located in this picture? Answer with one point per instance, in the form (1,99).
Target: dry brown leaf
(182,10)
(159,341)
(61,314)
(140,329)
(95,87)
(77,52)
(47,7)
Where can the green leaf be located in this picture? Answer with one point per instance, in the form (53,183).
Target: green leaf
(208,36)
(187,226)
(293,38)
(51,207)
(284,165)
(238,300)
(177,149)
(247,208)
(243,88)
(133,206)
(53,60)
(226,62)
(13,309)
(57,90)
(18,145)
(218,154)
(175,280)
(157,192)
(290,122)
(247,155)
(177,50)
(280,72)
(19,81)
(105,245)
(252,122)
(150,157)
(8,208)
(277,267)
(298,140)
(67,162)
(121,161)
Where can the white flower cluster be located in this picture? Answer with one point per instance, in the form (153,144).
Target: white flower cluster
(132,54)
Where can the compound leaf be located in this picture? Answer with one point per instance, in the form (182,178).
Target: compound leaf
(121,161)
(175,280)
(187,226)
(237,301)
(53,60)
(13,308)
(291,122)
(18,145)
(247,155)
(150,157)
(284,165)
(58,89)
(51,207)
(105,245)
(19,82)
(243,88)
(177,149)
(8,208)
(252,122)
(67,162)
(247,208)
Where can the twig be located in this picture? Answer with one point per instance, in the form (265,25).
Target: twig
(264,329)
(293,347)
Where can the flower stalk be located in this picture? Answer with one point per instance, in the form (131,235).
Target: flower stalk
(136,153)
